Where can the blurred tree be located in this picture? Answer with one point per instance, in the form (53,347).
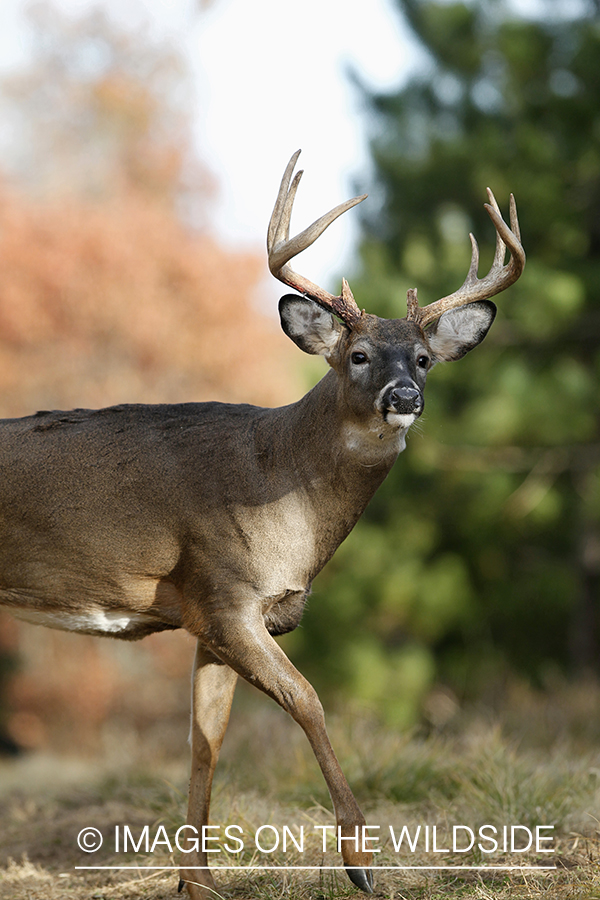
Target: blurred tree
(100,111)
(115,300)
(111,293)
(481,553)
(110,290)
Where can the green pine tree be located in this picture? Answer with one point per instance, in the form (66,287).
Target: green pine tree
(481,553)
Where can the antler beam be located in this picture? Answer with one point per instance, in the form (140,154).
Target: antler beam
(281,248)
(473,288)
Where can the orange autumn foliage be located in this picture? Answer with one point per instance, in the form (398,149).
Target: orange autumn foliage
(119,302)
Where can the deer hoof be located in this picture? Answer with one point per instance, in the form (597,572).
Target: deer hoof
(180,886)
(362,878)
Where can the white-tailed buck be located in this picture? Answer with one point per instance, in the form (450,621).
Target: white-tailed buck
(216,518)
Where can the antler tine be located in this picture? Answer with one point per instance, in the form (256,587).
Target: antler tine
(474,266)
(278,230)
(283,252)
(500,253)
(281,249)
(514,219)
(499,277)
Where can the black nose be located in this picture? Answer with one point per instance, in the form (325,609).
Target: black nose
(405,399)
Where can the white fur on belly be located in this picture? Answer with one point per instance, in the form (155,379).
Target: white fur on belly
(101,621)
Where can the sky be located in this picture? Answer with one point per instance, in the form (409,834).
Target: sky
(276,79)
(271,77)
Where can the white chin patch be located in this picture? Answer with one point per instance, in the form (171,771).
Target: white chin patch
(402,421)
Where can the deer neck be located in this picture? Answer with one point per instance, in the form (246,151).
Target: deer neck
(339,458)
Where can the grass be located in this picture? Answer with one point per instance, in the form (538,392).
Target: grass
(502,769)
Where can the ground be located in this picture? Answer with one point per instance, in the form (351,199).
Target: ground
(534,770)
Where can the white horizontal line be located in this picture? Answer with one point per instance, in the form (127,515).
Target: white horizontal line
(341,868)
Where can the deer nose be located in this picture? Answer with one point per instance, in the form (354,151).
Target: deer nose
(405,399)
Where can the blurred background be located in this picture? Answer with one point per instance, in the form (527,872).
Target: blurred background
(141,147)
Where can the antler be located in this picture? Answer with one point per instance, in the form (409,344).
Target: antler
(473,288)
(281,248)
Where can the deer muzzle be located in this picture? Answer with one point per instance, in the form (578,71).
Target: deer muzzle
(404,399)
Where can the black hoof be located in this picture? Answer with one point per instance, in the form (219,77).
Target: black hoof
(181,885)
(362,878)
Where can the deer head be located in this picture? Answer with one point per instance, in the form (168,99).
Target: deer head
(383,363)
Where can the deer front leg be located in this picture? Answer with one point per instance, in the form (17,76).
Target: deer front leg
(213,686)
(241,640)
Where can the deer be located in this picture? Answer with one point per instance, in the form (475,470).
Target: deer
(216,517)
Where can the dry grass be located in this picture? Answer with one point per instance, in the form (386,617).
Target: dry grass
(480,770)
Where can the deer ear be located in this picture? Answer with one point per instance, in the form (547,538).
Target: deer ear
(311,327)
(459,330)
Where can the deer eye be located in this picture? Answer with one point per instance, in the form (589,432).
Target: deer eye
(358,358)
(423,362)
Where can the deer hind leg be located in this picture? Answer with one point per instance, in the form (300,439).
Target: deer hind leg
(241,640)
(213,686)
